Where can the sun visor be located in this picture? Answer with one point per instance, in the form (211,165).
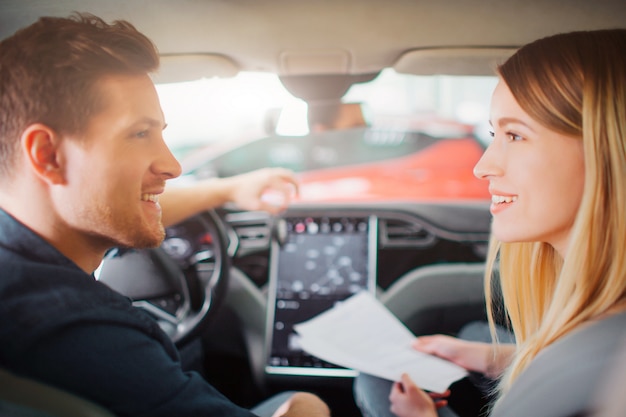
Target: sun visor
(452,61)
(190,67)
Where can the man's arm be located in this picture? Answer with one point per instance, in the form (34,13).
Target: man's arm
(248,191)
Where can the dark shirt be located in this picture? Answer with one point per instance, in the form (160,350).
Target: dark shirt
(61,326)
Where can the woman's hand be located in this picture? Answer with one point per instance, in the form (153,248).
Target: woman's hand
(408,400)
(487,358)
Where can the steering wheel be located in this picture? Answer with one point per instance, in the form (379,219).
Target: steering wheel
(182,282)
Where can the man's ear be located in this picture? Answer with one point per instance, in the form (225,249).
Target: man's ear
(41,146)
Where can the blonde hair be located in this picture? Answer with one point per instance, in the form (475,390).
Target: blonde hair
(575,84)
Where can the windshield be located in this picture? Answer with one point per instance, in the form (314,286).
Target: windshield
(397,137)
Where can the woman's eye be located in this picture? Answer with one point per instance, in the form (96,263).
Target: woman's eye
(514,137)
(142,134)
(492,133)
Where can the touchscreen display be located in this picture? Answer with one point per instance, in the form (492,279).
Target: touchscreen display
(316,263)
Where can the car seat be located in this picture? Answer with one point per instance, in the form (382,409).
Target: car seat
(438,298)
(24,397)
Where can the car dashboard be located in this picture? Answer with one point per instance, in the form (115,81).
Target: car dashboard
(312,256)
(409,235)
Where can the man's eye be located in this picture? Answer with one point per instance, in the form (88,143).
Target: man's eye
(492,133)
(141,134)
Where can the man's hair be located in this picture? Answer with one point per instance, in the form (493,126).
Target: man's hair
(49,73)
(574,84)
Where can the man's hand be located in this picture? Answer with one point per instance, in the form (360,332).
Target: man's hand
(268,189)
(303,404)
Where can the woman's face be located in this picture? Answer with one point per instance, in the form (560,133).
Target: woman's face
(535,176)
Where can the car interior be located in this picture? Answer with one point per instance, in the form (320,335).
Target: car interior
(228,285)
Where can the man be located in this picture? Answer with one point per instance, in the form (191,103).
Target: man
(83,165)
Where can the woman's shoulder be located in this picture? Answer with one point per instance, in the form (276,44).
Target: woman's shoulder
(564,378)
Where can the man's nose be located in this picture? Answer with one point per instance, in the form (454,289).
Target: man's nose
(166,164)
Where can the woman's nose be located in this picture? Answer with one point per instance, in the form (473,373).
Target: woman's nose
(489,164)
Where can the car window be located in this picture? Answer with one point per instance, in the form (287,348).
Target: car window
(401,136)
(315,151)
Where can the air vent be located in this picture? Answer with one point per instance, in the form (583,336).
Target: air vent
(253,236)
(252,229)
(403,233)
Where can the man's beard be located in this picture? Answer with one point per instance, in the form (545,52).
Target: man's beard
(121,231)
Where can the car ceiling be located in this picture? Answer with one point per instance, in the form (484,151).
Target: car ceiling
(297,37)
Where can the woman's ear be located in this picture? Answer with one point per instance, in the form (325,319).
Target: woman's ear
(41,146)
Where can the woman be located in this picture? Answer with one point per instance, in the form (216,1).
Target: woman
(556,170)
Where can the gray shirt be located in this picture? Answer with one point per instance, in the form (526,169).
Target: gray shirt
(566,378)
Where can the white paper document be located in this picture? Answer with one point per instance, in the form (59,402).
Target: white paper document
(362,334)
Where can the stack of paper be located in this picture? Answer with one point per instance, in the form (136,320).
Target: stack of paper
(362,334)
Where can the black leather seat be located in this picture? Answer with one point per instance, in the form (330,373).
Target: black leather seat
(23,397)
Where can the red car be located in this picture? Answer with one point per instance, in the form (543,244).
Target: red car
(430,161)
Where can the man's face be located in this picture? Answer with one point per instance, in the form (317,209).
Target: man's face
(117,168)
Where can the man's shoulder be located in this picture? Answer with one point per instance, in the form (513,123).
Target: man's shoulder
(37,300)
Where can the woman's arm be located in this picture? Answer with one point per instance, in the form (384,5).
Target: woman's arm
(487,358)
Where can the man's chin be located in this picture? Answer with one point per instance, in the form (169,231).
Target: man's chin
(154,242)
(147,240)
